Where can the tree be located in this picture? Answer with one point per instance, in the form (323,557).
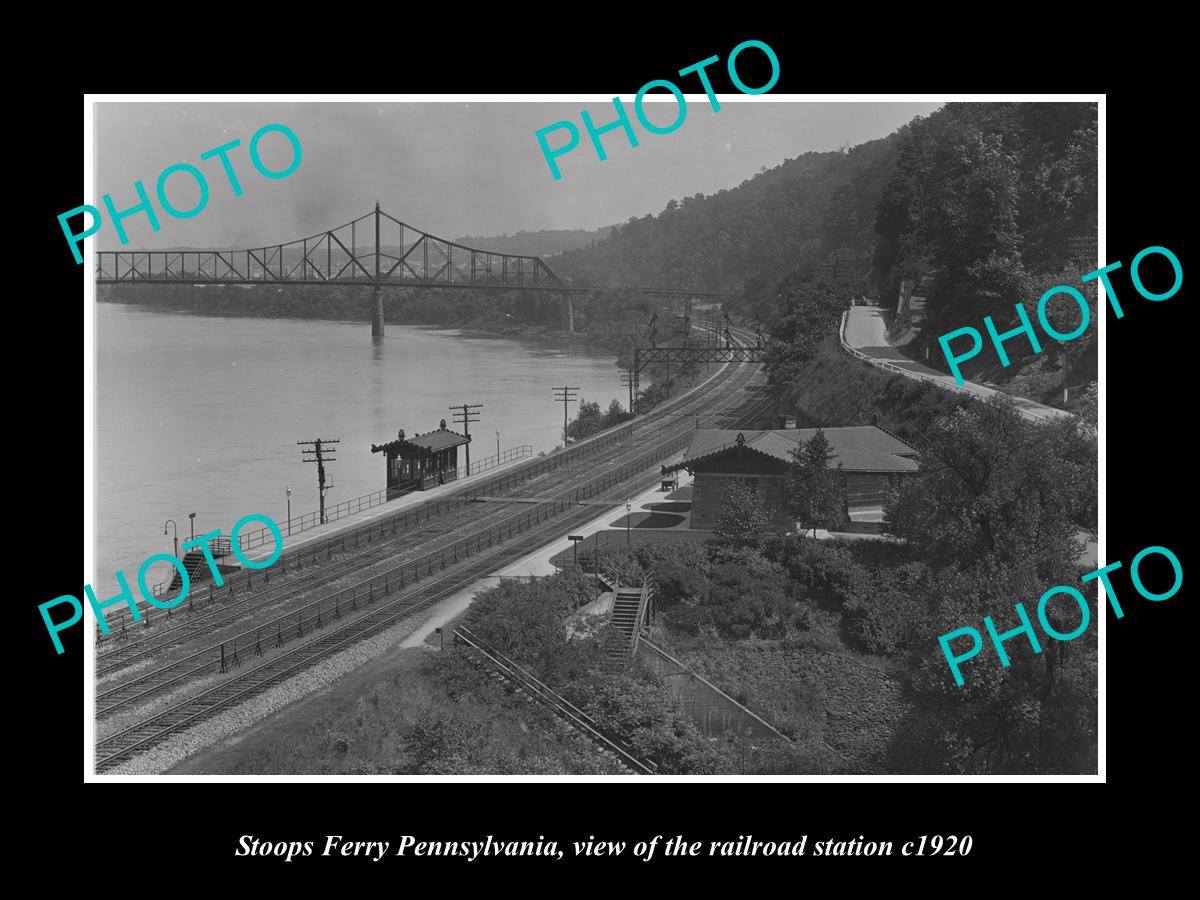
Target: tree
(991,485)
(1038,715)
(815,488)
(801,315)
(743,519)
(614,415)
(586,422)
(994,511)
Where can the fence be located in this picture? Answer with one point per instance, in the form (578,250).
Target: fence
(916,376)
(243,580)
(490,462)
(321,612)
(317,614)
(250,539)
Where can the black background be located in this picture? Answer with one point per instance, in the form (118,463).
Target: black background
(1149,409)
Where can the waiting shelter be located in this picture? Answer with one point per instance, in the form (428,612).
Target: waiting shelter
(422,461)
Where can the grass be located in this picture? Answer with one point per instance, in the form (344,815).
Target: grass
(366,724)
(612,540)
(810,686)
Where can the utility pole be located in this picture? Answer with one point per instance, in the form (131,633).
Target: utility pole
(565,396)
(319,456)
(466,411)
(627,379)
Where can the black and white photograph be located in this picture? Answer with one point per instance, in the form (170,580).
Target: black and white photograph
(677,435)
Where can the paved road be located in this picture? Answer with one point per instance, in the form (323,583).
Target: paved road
(866,332)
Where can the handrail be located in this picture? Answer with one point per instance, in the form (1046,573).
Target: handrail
(647,590)
(368,530)
(377,528)
(249,539)
(221,547)
(921,376)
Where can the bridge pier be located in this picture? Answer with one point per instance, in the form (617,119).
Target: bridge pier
(377,319)
(570,314)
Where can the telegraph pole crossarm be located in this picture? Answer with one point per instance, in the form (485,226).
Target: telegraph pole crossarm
(465,414)
(565,395)
(320,455)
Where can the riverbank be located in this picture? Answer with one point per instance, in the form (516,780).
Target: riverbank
(611,320)
(200,413)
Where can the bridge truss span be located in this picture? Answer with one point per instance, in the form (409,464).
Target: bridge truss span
(375,250)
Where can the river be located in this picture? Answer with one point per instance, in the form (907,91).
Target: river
(202,414)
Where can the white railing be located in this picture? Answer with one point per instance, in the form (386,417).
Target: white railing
(922,376)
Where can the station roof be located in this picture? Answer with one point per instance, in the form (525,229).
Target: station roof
(424,444)
(859,448)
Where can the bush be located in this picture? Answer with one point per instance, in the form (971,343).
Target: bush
(677,584)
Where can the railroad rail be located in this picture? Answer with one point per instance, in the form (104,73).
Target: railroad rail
(277,631)
(479,552)
(157,727)
(547,696)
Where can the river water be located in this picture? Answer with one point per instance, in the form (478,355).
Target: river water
(202,414)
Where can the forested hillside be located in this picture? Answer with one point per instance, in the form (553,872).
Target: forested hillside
(537,243)
(985,204)
(995,201)
(795,214)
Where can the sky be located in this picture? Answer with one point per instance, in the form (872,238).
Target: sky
(448,168)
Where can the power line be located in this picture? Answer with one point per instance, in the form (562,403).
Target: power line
(563,395)
(462,416)
(319,457)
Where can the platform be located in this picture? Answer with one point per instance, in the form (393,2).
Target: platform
(391,507)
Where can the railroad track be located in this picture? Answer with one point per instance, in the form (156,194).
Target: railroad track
(349,600)
(569,712)
(382,552)
(115,645)
(227,609)
(152,730)
(119,649)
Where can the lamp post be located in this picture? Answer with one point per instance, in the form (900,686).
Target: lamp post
(628,516)
(289,501)
(497,446)
(175,527)
(192,524)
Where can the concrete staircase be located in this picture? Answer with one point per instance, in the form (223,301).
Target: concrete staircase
(626,618)
(196,565)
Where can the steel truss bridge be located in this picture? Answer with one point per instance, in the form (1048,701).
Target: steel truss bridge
(375,250)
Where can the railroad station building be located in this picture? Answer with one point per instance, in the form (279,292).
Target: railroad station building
(422,461)
(871,461)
